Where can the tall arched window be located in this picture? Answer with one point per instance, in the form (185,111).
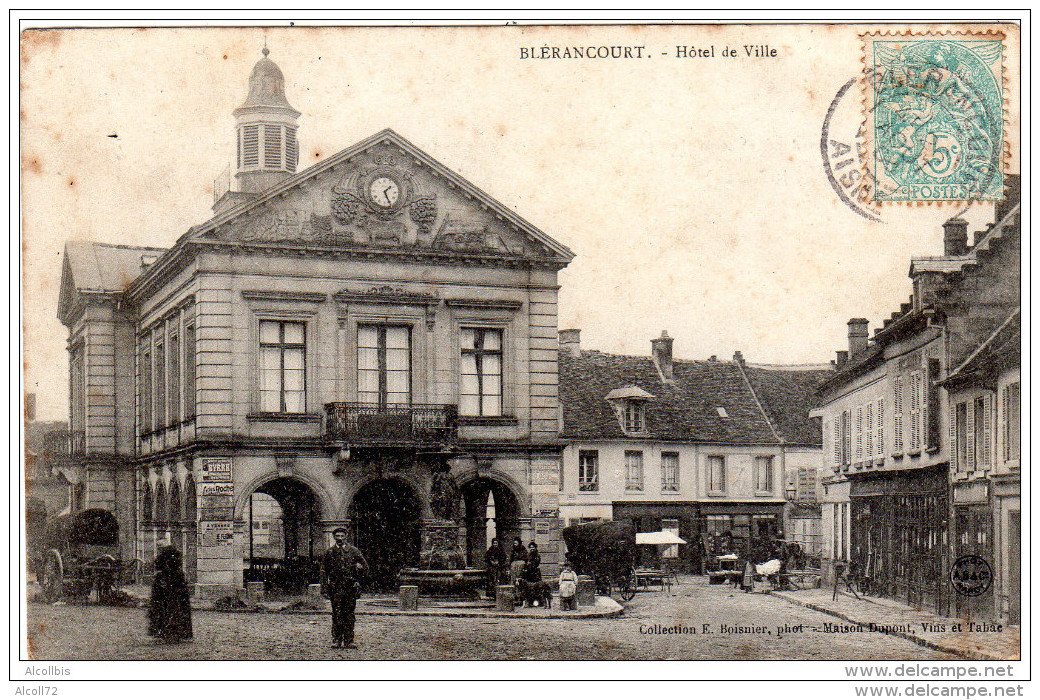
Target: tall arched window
(175,501)
(146,502)
(160,503)
(189,499)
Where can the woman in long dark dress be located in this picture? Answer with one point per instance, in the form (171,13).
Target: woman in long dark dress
(169,615)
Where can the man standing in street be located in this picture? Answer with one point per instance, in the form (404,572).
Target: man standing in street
(342,568)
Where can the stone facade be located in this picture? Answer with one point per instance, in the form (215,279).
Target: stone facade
(339,341)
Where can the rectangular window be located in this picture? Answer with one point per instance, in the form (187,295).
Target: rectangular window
(385,365)
(717,474)
(634,417)
(145,372)
(961,421)
(633,470)
(669,471)
(846,438)
(283,356)
(588,470)
(175,378)
(764,474)
(481,391)
(189,371)
(160,383)
(1011,429)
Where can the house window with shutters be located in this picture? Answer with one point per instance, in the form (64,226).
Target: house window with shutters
(588,470)
(669,471)
(633,470)
(764,475)
(932,428)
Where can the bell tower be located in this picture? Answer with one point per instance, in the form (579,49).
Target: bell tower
(265,130)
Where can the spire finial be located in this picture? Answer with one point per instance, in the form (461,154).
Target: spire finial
(265,50)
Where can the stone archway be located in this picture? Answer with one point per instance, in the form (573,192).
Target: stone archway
(284,538)
(387,518)
(492,509)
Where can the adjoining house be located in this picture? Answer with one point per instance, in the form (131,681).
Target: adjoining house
(370,343)
(898,503)
(705,449)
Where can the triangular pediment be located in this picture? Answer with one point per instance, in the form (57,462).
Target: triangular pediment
(385,193)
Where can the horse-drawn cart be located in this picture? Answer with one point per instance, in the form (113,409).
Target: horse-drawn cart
(79,553)
(605,550)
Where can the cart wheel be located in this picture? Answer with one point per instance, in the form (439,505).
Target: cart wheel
(53,576)
(628,589)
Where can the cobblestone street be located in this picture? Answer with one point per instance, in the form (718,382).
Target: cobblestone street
(68,632)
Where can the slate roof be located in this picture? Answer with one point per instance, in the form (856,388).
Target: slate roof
(100,267)
(787,396)
(686,410)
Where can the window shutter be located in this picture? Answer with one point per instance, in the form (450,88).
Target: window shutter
(859,433)
(292,149)
(836,437)
(879,445)
(915,411)
(870,431)
(897,416)
(969,437)
(987,431)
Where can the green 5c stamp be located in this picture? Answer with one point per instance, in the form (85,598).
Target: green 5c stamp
(936,117)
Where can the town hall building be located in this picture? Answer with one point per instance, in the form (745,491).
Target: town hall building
(369,343)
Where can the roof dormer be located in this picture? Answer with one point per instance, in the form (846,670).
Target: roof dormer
(629,404)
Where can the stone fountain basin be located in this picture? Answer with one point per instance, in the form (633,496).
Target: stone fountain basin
(453,583)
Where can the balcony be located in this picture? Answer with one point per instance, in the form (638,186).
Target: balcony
(416,425)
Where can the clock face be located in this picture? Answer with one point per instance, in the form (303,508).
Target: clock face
(384,192)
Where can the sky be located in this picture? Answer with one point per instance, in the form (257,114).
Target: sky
(691,189)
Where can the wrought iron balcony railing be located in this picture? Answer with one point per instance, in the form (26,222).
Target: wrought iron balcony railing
(405,425)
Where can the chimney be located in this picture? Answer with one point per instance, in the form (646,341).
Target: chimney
(662,350)
(857,335)
(738,357)
(570,340)
(955,237)
(843,357)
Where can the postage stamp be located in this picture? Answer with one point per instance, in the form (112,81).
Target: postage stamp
(934,112)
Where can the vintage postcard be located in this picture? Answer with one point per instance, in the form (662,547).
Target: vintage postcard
(631,342)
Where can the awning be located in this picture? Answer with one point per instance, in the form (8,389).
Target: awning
(658,538)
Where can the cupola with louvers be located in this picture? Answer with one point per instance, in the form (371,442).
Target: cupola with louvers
(265,125)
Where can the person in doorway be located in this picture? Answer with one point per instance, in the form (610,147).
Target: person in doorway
(342,569)
(568,588)
(169,615)
(495,564)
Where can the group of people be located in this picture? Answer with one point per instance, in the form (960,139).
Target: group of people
(343,568)
(522,570)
